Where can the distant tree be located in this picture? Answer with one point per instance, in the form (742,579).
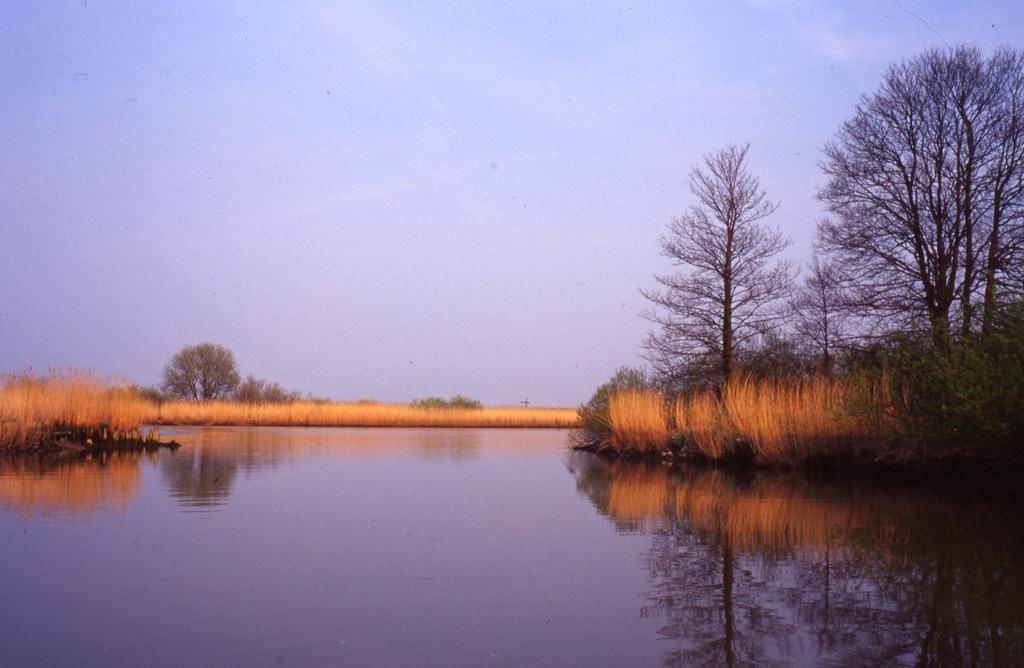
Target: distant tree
(250,390)
(773,357)
(820,317)
(730,291)
(457,401)
(258,391)
(201,372)
(926,187)
(151,394)
(460,401)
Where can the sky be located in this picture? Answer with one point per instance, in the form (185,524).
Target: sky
(402,199)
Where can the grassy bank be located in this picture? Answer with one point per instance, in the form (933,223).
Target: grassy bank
(768,423)
(39,411)
(332,414)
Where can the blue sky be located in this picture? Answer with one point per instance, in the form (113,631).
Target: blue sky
(393,200)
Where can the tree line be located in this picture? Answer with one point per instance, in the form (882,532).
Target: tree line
(917,272)
(207,371)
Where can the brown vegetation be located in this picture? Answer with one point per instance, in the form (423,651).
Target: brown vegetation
(639,420)
(36,411)
(777,423)
(332,414)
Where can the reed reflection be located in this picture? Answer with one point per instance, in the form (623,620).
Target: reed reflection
(768,567)
(70,485)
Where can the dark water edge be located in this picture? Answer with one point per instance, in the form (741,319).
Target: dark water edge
(467,547)
(939,467)
(90,441)
(881,573)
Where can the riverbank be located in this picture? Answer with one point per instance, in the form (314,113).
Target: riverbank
(336,414)
(78,410)
(809,423)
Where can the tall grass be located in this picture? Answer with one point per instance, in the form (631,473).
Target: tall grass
(787,423)
(639,421)
(330,414)
(34,410)
(777,423)
(37,410)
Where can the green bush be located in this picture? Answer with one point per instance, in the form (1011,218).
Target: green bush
(593,415)
(254,390)
(153,394)
(964,396)
(458,401)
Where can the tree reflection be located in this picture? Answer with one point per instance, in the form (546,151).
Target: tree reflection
(199,478)
(768,568)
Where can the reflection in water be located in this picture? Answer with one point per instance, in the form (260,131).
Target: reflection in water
(198,478)
(33,484)
(201,473)
(401,545)
(447,445)
(763,568)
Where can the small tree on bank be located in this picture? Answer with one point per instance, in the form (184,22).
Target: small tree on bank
(729,292)
(201,372)
(820,319)
(254,390)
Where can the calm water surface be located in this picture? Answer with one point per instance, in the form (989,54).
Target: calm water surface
(480,547)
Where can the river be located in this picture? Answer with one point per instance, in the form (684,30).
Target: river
(291,546)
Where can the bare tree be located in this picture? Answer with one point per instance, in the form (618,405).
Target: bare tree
(924,185)
(819,315)
(201,372)
(730,288)
(254,390)
(1004,267)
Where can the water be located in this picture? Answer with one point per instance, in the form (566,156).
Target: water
(480,547)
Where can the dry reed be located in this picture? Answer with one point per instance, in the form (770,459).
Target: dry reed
(331,414)
(792,422)
(780,423)
(639,421)
(36,410)
(701,422)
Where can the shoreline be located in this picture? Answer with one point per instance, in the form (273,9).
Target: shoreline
(74,441)
(436,425)
(894,465)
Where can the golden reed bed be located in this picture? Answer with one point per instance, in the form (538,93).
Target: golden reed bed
(318,414)
(781,423)
(37,409)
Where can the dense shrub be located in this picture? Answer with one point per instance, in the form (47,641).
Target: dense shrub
(457,401)
(595,425)
(258,391)
(152,394)
(964,395)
